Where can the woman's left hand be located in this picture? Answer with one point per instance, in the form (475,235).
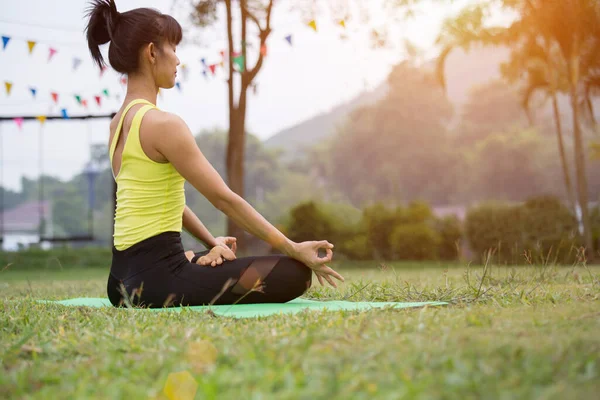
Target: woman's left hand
(226,241)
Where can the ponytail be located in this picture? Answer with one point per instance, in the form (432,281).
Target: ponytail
(103,20)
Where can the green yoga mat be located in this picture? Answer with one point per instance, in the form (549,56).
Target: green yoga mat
(259,310)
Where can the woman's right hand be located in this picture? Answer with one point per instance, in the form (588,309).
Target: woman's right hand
(308,253)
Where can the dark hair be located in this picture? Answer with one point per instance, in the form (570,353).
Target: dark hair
(127,33)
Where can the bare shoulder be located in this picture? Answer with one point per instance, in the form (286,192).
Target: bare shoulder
(163,121)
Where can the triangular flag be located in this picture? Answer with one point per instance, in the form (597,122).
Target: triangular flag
(8,86)
(52,53)
(78,98)
(313,24)
(31,45)
(41,118)
(105,91)
(33,91)
(289,39)
(236,54)
(98,99)
(212,68)
(84,103)
(203,61)
(184,71)
(5,40)
(263,50)
(104,68)
(204,73)
(222,53)
(342,23)
(76,62)
(239,61)
(123,80)
(19,122)
(178,85)
(54,97)
(222,64)
(64,113)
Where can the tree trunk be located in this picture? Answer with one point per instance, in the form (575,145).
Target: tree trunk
(582,187)
(237,129)
(563,157)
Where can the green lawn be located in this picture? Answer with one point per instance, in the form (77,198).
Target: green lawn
(510,333)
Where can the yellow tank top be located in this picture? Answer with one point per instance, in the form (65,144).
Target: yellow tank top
(150,195)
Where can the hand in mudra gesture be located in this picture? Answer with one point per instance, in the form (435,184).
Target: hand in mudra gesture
(308,253)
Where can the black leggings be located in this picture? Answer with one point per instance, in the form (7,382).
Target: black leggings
(155,273)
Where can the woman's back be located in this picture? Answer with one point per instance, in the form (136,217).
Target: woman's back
(150,194)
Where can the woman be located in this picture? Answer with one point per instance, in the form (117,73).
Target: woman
(152,154)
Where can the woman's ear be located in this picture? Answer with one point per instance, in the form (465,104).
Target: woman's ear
(152,53)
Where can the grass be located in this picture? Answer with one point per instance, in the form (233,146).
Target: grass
(519,333)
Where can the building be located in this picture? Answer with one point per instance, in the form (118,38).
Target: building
(19,226)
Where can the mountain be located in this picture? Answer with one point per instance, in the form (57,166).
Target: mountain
(463,71)
(291,140)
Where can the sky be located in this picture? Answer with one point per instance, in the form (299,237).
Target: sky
(317,72)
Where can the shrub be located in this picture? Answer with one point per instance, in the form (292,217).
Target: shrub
(450,231)
(415,242)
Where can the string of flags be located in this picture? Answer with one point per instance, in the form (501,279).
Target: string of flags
(237,58)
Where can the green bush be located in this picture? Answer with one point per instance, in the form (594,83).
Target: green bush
(541,230)
(57,258)
(379,223)
(498,227)
(415,242)
(450,231)
(308,222)
(551,233)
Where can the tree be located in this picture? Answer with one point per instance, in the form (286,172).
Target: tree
(204,13)
(573,26)
(544,71)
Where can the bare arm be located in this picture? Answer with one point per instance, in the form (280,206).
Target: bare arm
(196,228)
(182,152)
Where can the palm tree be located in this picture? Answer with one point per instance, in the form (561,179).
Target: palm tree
(573,26)
(544,71)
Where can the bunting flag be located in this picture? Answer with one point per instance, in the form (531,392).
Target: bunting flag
(64,113)
(342,23)
(204,73)
(222,64)
(41,118)
(76,63)
(19,122)
(236,54)
(289,39)
(98,99)
(78,98)
(313,24)
(5,40)
(203,61)
(263,50)
(104,68)
(31,45)
(213,68)
(33,91)
(55,97)
(239,61)
(222,53)
(84,103)
(52,53)
(123,80)
(184,71)
(105,91)
(178,85)
(8,86)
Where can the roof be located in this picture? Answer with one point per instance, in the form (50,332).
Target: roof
(25,217)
